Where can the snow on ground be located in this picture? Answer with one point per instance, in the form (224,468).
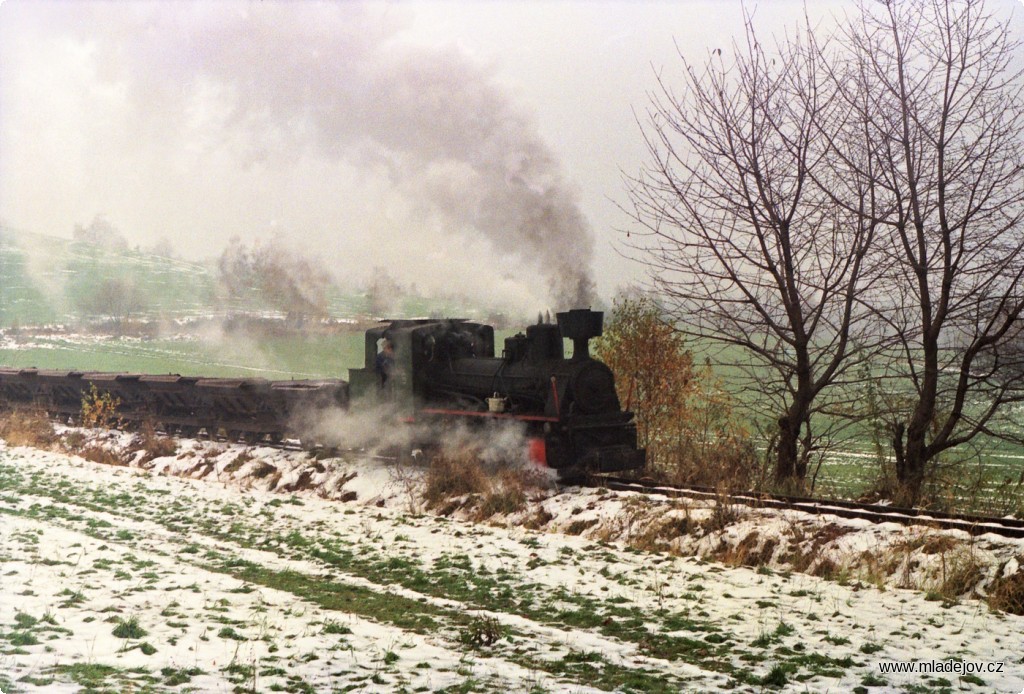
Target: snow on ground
(187,573)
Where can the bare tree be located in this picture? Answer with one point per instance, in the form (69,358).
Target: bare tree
(273,276)
(937,98)
(740,233)
(117,299)
(100,232)
(382,292)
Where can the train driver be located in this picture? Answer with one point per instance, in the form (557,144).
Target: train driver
(385,363)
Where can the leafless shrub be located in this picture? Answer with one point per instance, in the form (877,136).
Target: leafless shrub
(408,478)
(116,299)
(272,275)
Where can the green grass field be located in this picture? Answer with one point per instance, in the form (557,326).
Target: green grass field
(274,358)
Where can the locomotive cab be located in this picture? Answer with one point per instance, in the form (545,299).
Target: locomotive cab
(417,343)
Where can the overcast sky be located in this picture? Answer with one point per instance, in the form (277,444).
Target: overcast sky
(465,146)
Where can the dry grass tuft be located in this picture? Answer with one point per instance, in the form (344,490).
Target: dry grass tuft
(540,518)
(724,513)
(961,573)
(509,491)
(200,469)
(502,500)
(27,428)
(752,551)
(153,444)
(808,555)
(262,469)
(825,568)
(578,527)
(875,567)
(240,460)
(938,544)
(302,483)
(104,456)
(658,536)
(1006,593)
(453,474)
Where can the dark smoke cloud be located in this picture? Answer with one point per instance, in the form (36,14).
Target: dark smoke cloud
(332,80)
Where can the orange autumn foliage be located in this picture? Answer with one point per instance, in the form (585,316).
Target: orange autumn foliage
(684,417)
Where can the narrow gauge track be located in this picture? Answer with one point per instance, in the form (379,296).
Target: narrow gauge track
(875,513)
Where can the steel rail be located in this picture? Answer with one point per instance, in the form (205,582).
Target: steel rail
(974,525)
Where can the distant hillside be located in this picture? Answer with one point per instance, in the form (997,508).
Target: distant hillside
(46,280)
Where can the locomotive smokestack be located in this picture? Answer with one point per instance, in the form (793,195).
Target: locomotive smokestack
(579,325)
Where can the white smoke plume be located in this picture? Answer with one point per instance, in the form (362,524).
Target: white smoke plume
(373,429)
(316,85)
(43,268)
(381,430)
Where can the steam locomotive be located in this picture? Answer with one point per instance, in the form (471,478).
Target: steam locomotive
(442,371)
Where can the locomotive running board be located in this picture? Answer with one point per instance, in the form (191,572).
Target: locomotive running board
(488,415)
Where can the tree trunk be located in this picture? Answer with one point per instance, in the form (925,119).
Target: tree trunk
(785,460)
(790,467)
(912,450)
